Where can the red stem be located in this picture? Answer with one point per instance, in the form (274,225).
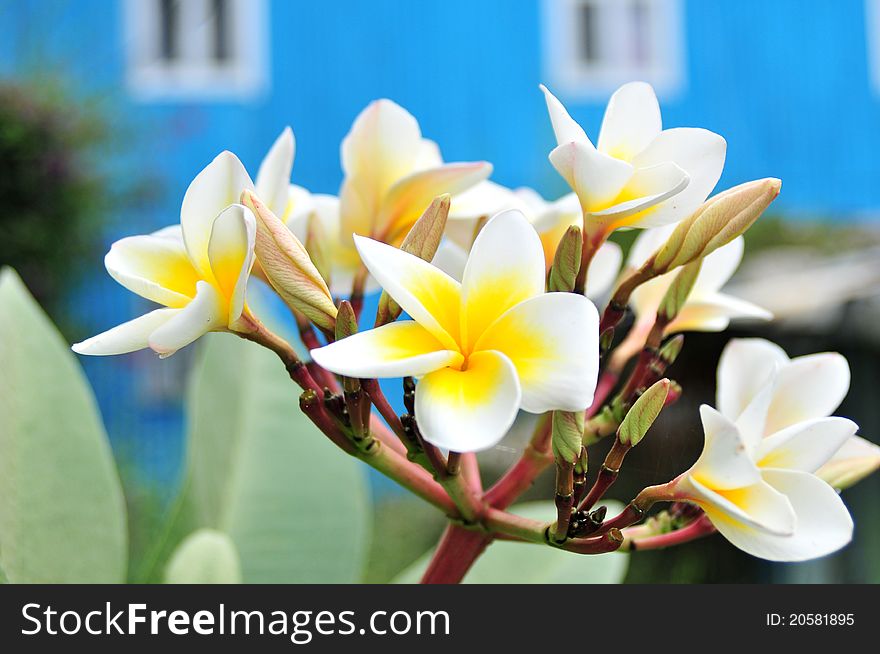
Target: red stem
(697,529)
(456,553)
(606,384)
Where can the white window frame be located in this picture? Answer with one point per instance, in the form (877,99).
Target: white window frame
(569,74)
(872,38)
(196,76)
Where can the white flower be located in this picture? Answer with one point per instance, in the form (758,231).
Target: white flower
(755,478)
(550,220)
(484,348)
(198,270)
(638,175)
(707,309)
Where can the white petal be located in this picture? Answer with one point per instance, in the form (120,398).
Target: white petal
(552,340)
(857,459)
(745,366)
(811,386)
(631,122)
(647,243)
(719,267)
(650,189)
(751,422)
(564,126)
(698,152)
(430,296)
(468,410)
(713,313)
(823,523)
(204,314)
(231,253)
(127,337)
(215,188)
(596,178)
(273,178)
(382,146)
(408,198)
(155,267)
(451,259)
(505,267)
(725,462)
(806,445)
(755,509)
(604,269)
(398,349)
(484,199)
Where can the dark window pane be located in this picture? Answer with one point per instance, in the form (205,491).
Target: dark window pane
(169,19)
(641,35)
(588,46)
(222,46)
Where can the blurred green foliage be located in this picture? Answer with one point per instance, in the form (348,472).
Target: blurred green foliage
(52,193)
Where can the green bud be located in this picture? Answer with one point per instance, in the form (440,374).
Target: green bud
(288,267)
(567,435)
(422,240)
(671,349)
(346,321)
(678,292)
(567,261)
(720,220)
(643,413)
(580,466)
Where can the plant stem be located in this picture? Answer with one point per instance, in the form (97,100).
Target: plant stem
(534,460)
(457,550)
(697,529)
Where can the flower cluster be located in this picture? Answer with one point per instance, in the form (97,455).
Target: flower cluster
(487,308)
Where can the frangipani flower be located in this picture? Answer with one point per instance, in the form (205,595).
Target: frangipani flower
(198,270)
(755,478)
(707,309)
(391,176)
(550,220)
(638,175)
(809,389)
(484,348)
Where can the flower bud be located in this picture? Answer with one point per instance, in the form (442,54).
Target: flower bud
(567,435)
(289,268)
(316,246)
(346,321)
(567,261)
(422,241)
(720,220)
(644,412)
(671,349)
(678,292)
(857,459)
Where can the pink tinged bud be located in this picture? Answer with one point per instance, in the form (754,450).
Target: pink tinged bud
(567,436)
(288,267)
(422,240)
(567,261)
(720,220)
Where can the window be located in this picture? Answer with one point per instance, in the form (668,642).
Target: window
(593,46)
(872,24)
(196,49)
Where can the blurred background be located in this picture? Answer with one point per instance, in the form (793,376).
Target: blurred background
(108,108)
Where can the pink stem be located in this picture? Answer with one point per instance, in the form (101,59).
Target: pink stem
(456,553)
(697,529)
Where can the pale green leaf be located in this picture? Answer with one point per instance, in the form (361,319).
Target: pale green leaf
(296,507)
(207,556)
(506,562)
(62,514)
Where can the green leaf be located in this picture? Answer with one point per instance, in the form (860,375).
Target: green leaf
(506,562)
(62,513)
(296,507)
(207,556)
